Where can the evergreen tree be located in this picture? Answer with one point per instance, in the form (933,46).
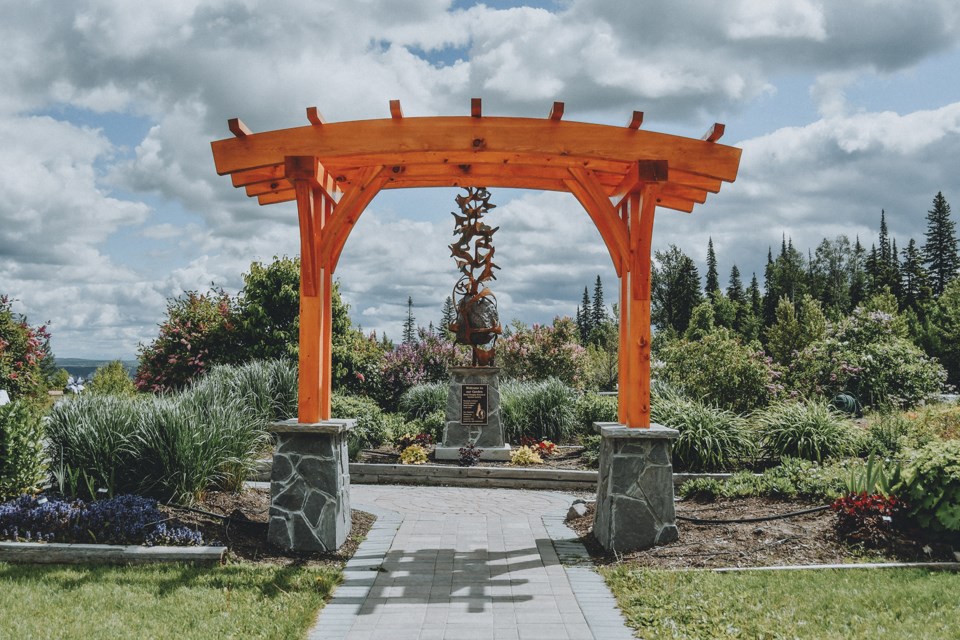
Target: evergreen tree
(857,274)
(754,297)
(585,324)
(735,286)
(914,279)
(449,314)
(770,298)
(831,272)
(598,312)
(940,250)
(713,279)
(675,289)
(786,276)
(409,325)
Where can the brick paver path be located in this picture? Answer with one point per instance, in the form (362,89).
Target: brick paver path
(465,564)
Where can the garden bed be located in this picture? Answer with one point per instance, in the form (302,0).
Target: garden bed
(803,540)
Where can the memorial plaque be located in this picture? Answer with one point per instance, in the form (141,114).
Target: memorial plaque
(473,402)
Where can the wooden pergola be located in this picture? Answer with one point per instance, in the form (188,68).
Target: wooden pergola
(334,170)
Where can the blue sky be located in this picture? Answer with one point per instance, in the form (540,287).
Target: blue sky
(109,202)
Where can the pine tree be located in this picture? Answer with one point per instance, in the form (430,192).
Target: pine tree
(449,314)
(713,279)
(409,325)
(598,312)
(754,297)
(940,250)
(585,325)
(914,279)
(735,286)
(831,272)
(857,269)
(675,289)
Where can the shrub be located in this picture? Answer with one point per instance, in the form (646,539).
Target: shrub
(22,467)
(268,387)
(541,352)
(701,489)
(591,450)
(112,379)
(889,433)
(371,429)
(808,430)
(592,407)
(432,423)
(866,518)
(424,399)
(544,448)
(930,485)
(414,454)
(721,370)
(423,361)
(793,478)
(541,410)
(867,356)
(710,438)
(23,350)
(524,456)
(407,439)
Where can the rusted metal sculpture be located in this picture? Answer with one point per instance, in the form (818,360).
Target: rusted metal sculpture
(477,324)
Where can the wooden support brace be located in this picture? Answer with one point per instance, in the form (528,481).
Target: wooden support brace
(636,120)
(395,111)
(475,107)
(557,111)
(714,133)
(238,129)
(315,117)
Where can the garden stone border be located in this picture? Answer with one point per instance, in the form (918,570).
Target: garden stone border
(64,553)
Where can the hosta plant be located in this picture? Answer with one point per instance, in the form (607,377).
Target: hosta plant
(930,484)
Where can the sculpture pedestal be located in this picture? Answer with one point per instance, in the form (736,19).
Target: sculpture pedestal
(635,488)
(310,485)
(473,414)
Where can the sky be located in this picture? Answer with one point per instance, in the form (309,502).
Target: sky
(110,204)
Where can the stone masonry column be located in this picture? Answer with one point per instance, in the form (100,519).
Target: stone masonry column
(310,485)
(635,488)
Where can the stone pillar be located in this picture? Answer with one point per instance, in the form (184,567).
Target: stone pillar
(473,414)
(310,485)
(635,487)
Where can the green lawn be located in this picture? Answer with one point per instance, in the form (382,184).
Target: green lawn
(160,601)
(875,603)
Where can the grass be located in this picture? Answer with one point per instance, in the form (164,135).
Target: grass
(877,603)
(161,601)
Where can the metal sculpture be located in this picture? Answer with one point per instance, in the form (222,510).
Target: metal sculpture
(477,323)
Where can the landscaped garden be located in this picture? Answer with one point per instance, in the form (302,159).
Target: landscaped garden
(838,407)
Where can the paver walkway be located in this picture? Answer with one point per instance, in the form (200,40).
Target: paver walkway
(465,564)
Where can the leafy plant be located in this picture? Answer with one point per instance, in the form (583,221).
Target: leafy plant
(866,518)
(591,450)
(522,456)
(710,438)
(809,430)
(407,439)
(424,399)
(24,350)
(592,407)
(371,429)
(930,484)
(22,463)
(544,448)
(414,454)
(112,379)
(537,409)
(469,455)
(876,478)
(542,352)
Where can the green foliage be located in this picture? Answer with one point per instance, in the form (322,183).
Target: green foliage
(268,387)
(414,454)
(942,335)
(720,369)
(889,433)
(674,289)
(422,361)
(525,456)
(432,423)
(22,461)
(424,399)
(23,350)
(542,351)
(540,410)
(371,429)
(877,477)
(930,485)
(795,328)
(702,322)
(809,430)
(592,407)
(591,450)
(112,379)
(793,478)
(710,439)
(268,309)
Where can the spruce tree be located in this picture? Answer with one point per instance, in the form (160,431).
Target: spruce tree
(598,312)
(675,289)
(409,325)
(735,286)
(449,314)
(857,270)
(586,318)
(914,279)
(713,279)
(940,250)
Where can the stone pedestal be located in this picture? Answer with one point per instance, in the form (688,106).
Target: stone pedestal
(473,414)
(310,485)
(635,488)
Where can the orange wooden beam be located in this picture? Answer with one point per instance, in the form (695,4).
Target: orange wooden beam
(315,117)
(476,108)
(238,129)
(395,111)
(714,133)
(585,188)
(347,212)
(636,120)
(556,112)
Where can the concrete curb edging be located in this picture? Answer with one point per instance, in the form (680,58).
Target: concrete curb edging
(932,566)
(62,553)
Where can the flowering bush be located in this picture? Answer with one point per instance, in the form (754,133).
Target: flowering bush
(719,369)
(22,351)
(414,454)
(196,334)
(524,455)
(867,355)
(541,351)
(423,361)
(124,519)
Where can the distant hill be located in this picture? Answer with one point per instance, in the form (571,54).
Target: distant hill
(84,368)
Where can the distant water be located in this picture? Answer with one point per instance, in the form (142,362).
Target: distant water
(83,368)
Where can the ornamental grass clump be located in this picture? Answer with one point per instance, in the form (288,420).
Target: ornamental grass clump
(541,410)
(421,400)
(809,430)
(22,460)
(711,438)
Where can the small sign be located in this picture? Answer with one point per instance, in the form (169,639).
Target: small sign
(473,402)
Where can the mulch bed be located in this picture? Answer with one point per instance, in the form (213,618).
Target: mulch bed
(565,458)
(801,540)
(244,532)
